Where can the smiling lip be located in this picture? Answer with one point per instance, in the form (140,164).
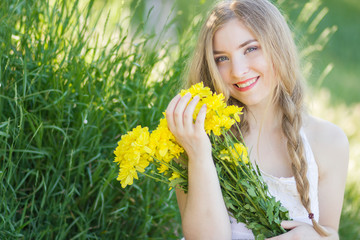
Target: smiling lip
(246,85)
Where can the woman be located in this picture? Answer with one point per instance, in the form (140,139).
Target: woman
(246,51)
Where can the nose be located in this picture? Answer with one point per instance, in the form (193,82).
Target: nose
(240,66)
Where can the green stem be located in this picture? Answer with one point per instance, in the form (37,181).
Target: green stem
(241,187)
(250,172)
(174,169)
(155,178)
(260,210)
(259,186)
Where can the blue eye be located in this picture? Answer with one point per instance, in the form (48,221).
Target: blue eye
(250,49)
(221,59)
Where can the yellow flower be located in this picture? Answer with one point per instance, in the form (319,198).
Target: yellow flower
(163,168)
(215,102)
(138,148)
(174,176)
(197,89)
(133,154)
(224,155)
(234,111)
(126,175)
(219,116)
(163,143)
(142,164)
(240,153)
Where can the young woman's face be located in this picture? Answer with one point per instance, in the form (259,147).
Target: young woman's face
(242,65)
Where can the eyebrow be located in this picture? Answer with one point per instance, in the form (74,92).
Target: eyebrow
(240,46)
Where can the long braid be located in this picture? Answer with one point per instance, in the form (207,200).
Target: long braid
(291,123)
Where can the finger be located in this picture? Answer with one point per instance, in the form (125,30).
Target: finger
(170,111)
(291,224)
(179,112)
(189,111)
(200,120)
(288,225)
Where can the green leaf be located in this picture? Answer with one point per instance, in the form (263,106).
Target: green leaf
(270,213)
(260,237)
(251,192)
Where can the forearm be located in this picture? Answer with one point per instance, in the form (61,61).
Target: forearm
(205,215)
(203,212)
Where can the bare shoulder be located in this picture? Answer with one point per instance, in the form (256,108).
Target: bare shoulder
(331,151)
(324,133)
(329,144)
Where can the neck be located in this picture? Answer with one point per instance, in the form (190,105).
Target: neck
(265,118)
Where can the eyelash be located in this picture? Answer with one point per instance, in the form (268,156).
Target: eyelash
(251,49)
(224,58)
(218,59)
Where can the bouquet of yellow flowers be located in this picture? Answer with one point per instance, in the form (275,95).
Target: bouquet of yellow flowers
(244,191)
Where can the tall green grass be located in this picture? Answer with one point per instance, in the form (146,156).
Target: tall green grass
(342,51)
(65,99)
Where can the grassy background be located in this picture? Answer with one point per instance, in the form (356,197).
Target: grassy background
(74,76)
(342,51)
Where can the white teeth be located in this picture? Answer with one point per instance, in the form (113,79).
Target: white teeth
(247,83)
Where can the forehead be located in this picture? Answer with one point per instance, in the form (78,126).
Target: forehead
(230,35)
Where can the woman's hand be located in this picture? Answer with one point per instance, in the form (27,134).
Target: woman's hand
(298,231)
(191,136)
(203,211)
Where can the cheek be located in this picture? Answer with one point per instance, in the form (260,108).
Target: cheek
(224,72)
(260,64)
(262,67)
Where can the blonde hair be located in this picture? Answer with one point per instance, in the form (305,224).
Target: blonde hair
(270,29)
